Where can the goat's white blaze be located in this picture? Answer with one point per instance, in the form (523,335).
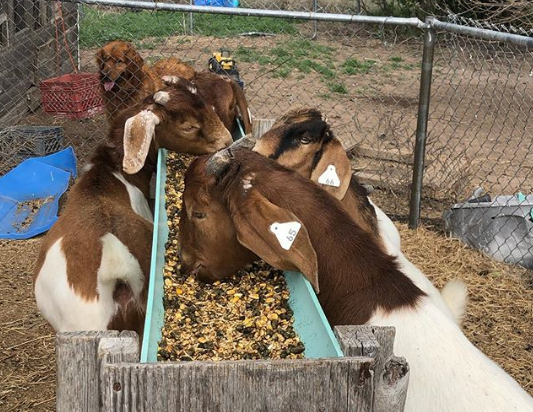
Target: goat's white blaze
(58,302)
(117,264)
(138,202)
(447,372)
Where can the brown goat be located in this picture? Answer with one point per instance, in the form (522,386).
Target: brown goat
(225,95)
(232,215)
(93,266)
(295,225)
(302,140)
(172,66)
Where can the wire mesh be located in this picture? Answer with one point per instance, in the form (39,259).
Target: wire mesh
(480,139)
(364,78)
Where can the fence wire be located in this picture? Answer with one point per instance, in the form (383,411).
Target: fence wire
(480,138)
(364,78)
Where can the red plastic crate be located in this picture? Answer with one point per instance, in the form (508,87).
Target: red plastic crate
(76,96)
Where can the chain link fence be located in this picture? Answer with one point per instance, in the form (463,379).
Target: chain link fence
(479,141)
(363,74)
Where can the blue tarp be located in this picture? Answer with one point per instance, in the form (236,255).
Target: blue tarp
(29,194)
(217,3)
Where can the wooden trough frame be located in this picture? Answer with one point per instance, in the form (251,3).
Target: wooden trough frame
(102,371)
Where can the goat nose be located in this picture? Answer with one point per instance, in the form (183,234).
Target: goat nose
(225,139)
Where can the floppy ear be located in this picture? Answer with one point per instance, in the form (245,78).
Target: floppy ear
(138,134)
(333,171)
(275,234)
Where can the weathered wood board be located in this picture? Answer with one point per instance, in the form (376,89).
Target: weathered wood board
(98,371)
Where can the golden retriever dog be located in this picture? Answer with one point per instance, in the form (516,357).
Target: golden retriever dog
(124,77)
(172,66)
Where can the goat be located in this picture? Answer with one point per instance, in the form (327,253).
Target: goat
(302,140)
(239,199)
(93,266)
(224,94)
(172,66)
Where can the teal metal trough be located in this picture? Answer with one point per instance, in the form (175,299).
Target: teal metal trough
(310,323)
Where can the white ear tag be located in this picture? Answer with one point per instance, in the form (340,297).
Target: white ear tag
(330,177)
(285,232)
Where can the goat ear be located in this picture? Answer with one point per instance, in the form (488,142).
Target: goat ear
(333,171)
(276,235)
(138,134)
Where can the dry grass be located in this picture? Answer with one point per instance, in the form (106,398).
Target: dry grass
(499,317)
(27,363)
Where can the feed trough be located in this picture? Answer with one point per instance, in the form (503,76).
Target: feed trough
(310,322)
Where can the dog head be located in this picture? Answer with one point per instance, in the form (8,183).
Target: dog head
(120,66)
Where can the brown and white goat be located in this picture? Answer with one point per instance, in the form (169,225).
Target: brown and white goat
(225,95)
(302,140)
(93,266)
(252,203)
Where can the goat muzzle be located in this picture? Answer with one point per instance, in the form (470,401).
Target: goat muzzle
(217,163)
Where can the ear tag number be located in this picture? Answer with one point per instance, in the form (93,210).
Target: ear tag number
(285,232)
(330,177)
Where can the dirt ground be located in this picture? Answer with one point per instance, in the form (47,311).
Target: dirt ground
(27,371)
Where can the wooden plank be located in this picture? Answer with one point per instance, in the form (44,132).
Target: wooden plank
(79,358)
(337,384)
(391,373)
(260,127)
(376,181)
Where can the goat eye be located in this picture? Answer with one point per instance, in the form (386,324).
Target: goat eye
(189,127)
(305,140)
(198,215)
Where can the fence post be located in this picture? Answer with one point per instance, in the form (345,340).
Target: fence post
(430,38)
(390,373)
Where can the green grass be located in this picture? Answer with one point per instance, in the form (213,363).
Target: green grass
(354,66)
(396,59)
(337,88)
(326,96)
(99,27)
(302,55)
(397,64)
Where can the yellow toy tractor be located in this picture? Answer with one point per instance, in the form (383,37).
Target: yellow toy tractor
(223,63)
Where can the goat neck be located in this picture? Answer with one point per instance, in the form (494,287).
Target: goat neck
(356,276)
